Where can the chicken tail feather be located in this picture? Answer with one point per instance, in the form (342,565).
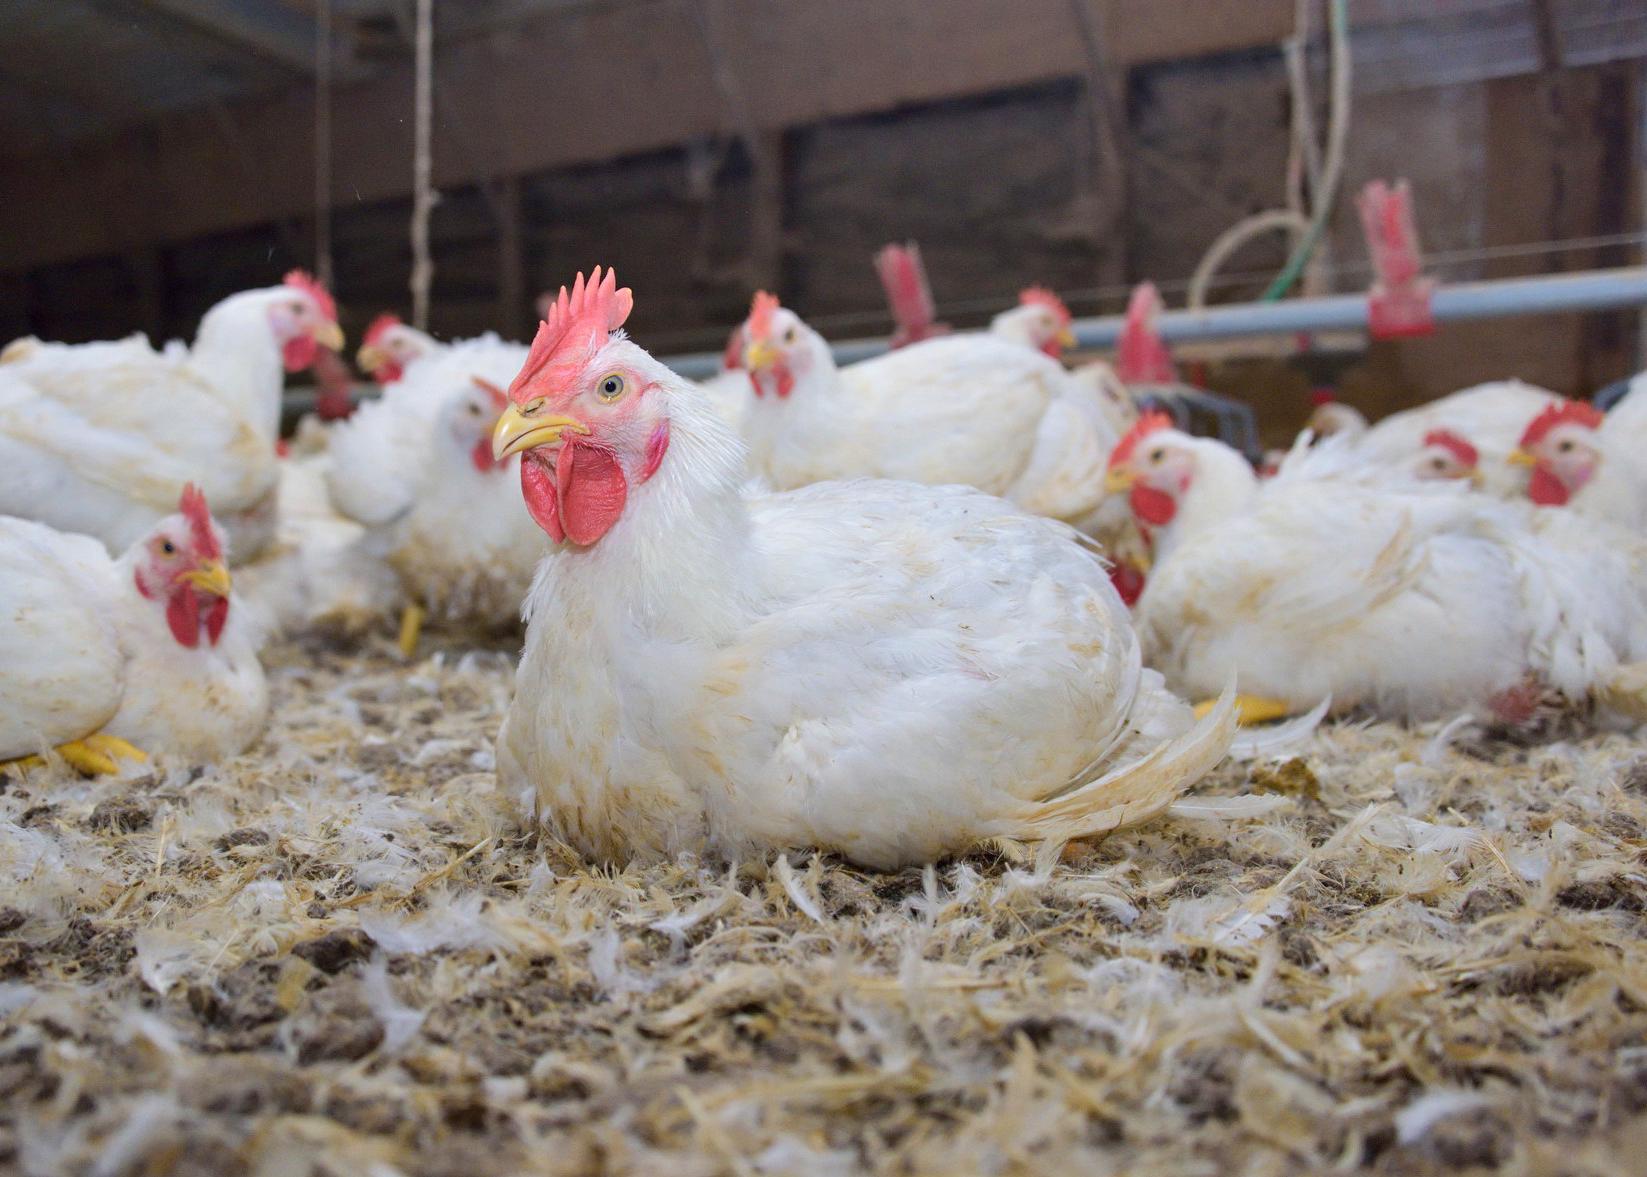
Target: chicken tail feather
(1137,791)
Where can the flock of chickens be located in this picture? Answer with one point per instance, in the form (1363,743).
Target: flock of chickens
(865,608)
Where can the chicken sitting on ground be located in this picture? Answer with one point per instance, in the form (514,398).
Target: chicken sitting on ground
(393,470)
(1595,464)
(1488,417)
(971,409)
(882,669)
(389,347)
(100,438)
(377,454)
(1413,600)
(106,660)
(466,549)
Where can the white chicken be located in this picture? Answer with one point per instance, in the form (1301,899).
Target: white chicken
(111,659)
(390,346)
(1410,599)
(1040,320)
(1595,464)
(1489,418)
(465,549)
(100,438)
(973,409)
(409,468)
(883,669)
(321,571)
(378,452)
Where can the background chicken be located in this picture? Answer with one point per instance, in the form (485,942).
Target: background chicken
(376,455)
(883,669)
(1488,417)
(465,549)
(101,438)
(1595,464)
(1413,600)
(970,408)
(110,659)
(390,346)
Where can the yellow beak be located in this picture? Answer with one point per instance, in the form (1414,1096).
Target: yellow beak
(515,431)
(1066,337)
(1522,458)
(370,357)
(760,355)
(1118,480)
(210,577)
(329,336)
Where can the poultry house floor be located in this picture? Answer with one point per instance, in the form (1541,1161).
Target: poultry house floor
(337,955)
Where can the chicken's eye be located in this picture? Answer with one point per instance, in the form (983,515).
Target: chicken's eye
(168,548)
(612,387)
(1565,447)
(1156,457)
(475,410)
(789,335)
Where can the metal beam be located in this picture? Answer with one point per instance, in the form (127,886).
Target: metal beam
(267,28)
(1593,290)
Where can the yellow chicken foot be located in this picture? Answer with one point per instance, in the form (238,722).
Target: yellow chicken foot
(1249,709)
(411,627)
(94,755)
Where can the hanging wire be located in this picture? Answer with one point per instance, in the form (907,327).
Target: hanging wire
(323,142)
(423,193)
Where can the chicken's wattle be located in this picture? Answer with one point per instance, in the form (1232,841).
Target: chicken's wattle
(582,499)
(480,454)
(1152,506)
(298,353)
(1545,489)
(183,615)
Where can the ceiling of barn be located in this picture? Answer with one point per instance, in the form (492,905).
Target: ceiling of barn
(82,69)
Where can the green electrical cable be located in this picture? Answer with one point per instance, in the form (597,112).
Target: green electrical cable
(1305,248)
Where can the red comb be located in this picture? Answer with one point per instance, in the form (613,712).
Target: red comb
(761,310)
(576,327)
(1140,356)
(1151,422)
(1323,396)
(908,294)
(381,326)
(1561,413)
(192,506)
(1041,296)
(1454,444)
(304,281)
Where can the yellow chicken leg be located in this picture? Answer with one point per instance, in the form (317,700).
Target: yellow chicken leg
(94,755)
(411,627)
(1250,709)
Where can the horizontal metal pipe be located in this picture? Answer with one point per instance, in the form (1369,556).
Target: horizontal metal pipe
(1591,290)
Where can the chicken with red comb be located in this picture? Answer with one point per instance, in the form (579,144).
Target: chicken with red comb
(390,346)
(970,408)
(112,660)
(1596,464)
(1435,440)
(1408,598)
(884,669)
(99,438)
(1040,320)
